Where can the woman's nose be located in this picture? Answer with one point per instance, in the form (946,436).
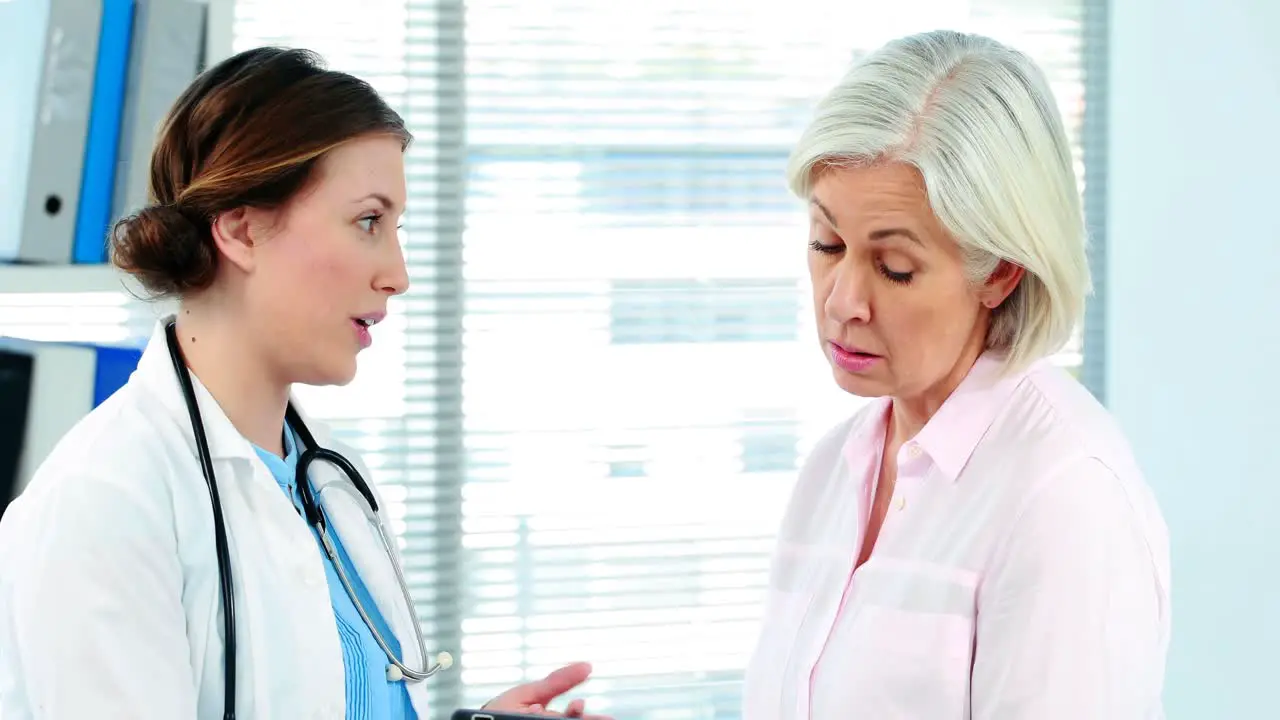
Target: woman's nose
(395,279)
(847,299)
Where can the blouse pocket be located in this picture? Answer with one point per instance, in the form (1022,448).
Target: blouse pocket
(911,664)
(901,649)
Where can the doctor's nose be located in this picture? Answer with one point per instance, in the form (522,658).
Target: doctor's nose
(394,279)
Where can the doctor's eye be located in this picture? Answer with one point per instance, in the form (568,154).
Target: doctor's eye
(373,221)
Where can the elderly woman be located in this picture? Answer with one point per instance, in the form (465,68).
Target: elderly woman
(977,542)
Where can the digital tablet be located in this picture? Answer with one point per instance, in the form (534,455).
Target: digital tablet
(493,715)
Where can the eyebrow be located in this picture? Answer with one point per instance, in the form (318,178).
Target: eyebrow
(882,234)
(827,213)
(382,200)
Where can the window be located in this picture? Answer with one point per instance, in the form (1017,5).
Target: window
(608,281)
(634,272)
(628,461)
(770,444)
(703,311)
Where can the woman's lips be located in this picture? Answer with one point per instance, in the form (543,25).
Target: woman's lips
(850,359)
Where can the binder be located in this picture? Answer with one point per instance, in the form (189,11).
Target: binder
(23,26)
(65,382)
(166,55)
(49,52)
(102,140)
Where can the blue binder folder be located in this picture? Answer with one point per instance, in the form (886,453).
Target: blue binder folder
(166,53)
(106,112)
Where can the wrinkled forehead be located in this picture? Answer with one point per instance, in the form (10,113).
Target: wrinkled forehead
(861,199)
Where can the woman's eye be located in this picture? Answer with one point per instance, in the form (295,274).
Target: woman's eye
(825,249)
(895,276)
(372,223)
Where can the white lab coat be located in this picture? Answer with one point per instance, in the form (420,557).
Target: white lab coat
(109,594)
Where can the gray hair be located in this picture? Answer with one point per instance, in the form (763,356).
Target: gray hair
(978,120)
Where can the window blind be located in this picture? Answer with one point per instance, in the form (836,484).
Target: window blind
(640,372)
(406,419)
(587,413)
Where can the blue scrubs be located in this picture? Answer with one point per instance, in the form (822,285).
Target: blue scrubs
(370,696)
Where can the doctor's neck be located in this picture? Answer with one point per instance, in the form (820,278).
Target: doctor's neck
(234,369)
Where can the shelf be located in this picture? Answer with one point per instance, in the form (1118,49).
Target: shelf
(63,279)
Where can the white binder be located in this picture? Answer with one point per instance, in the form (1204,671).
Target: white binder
(49,51)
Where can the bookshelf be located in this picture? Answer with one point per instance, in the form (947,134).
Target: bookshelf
(42,279)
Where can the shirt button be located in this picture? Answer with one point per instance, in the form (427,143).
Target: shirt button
(902,503)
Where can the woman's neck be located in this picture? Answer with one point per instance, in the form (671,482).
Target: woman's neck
(910,415)
(235,373)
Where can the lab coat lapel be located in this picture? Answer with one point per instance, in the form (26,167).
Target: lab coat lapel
(236,464)
(265,539)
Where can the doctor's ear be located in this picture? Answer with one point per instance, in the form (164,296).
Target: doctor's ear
(236,233)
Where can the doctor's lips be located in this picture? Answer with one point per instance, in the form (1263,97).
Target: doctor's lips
(362,323)
(851,359)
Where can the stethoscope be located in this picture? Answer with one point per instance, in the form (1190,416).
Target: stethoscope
(396,670)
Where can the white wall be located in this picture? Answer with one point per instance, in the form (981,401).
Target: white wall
(1193,336)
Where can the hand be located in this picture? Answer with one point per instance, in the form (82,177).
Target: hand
(533,698)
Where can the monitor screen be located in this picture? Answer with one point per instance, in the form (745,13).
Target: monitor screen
(16,370)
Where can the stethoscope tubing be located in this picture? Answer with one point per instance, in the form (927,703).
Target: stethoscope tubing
(314,516)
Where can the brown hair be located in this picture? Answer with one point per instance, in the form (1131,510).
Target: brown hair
(248,132)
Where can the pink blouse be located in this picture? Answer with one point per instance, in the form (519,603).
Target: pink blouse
(1022,571)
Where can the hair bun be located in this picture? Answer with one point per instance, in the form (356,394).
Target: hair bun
(165,249)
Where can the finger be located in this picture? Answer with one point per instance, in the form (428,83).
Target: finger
(576,708)
(559,682)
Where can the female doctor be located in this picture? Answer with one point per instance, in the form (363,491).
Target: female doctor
(171,519)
